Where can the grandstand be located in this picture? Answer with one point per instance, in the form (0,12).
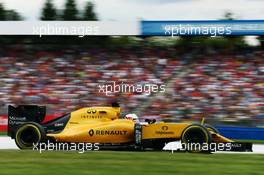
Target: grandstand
(221,86)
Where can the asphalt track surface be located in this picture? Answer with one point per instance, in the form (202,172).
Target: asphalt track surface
(8,143)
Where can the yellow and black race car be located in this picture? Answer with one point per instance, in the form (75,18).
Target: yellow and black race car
(104,125)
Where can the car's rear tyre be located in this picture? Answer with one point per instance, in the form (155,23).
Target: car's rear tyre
(29,135)
(194,137)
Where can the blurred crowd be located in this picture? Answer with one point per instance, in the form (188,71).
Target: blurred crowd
(70,79)
(221,86)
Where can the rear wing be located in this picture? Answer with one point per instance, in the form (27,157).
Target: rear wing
(22,114)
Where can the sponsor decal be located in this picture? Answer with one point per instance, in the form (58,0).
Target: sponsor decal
(13,122)
(236,145)
(106,132)
(58,124)
(164,130)
(138,135)
(17,118)
(91,111)
(91,117)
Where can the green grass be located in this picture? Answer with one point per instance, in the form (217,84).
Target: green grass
(137,163)
(3,133)
(252,141)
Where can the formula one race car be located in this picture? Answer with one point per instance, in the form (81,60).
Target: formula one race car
(104,125)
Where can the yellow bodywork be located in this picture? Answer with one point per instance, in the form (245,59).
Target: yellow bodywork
(173,131)
(103,125)
(163,130)
(96,125)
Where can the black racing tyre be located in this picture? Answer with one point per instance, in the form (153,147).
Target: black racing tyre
(194,137)
(29,134)
(211,128)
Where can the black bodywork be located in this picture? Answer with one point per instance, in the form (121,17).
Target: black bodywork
(21,114)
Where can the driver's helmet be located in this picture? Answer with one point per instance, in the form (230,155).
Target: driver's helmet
(133,117)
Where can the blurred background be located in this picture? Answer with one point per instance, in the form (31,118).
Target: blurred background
(219,78)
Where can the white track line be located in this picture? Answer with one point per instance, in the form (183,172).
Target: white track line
(7,143)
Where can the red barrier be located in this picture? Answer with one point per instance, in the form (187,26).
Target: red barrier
(3,128)
(51,117)
(3,123)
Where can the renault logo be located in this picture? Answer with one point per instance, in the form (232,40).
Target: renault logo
(91,132)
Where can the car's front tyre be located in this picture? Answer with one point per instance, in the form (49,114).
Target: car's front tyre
(194,137)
